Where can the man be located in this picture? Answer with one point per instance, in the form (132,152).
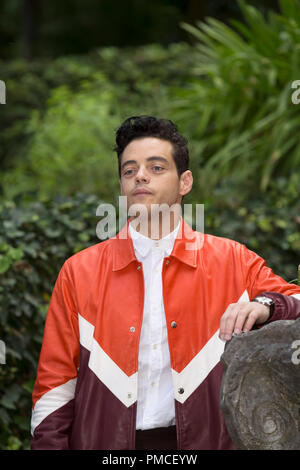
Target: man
(137,323)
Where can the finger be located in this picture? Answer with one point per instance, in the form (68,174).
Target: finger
(250,321)
(242,319)
(224,320)
(233,318)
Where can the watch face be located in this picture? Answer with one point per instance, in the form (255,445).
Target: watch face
(265,300)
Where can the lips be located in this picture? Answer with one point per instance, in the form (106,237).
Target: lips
(141,191)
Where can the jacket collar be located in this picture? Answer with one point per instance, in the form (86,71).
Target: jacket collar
(185,249)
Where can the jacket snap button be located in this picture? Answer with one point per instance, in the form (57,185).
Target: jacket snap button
(167,262)
(181,391)
(132,329)
(139,267)
(173,324)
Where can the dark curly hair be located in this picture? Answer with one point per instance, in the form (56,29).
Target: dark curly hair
(136,127)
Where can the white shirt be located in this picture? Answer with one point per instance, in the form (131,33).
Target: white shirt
(155,401)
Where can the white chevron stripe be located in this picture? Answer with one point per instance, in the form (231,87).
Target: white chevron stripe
(244,297)
(201,365)
(198,368)
(52,401)
(124,387)
(86,332)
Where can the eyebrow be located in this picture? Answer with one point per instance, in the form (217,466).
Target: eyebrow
(149,159)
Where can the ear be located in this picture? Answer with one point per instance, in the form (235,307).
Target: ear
(186,182)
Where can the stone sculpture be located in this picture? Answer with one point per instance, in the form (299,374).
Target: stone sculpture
(260,391)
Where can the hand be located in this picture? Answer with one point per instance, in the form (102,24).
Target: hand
(240,317)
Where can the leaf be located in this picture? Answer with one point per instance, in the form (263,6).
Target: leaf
(15,253)
(13,443)
(5,263)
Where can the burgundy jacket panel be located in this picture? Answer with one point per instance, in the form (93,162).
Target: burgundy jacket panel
(200,421)
(54,432)
(101,421)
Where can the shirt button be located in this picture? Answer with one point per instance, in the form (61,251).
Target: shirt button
(173,324)
(132,329)
(181,391)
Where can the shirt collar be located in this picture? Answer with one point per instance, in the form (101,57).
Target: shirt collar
(143,245)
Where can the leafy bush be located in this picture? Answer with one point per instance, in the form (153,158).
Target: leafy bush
(28,86)
(268,223)
(230,94)
(59,122)
(71,145)
(239,108)
(34,243)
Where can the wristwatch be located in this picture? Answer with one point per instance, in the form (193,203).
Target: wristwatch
(265,301)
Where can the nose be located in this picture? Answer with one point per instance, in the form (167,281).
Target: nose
(142,175)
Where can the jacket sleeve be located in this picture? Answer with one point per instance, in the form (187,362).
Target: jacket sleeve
(261,280)
(54,389)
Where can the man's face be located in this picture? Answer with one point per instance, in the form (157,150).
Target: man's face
(147,165)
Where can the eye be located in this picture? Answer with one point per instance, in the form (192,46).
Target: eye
(127,172)
(157,168)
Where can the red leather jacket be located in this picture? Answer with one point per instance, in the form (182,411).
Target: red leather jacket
(85,395)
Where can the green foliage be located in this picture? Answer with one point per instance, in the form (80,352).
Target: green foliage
(34,243)
(267,223)
(239,108)
(230,95)
(28,86)
(71,147)
(63,134)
